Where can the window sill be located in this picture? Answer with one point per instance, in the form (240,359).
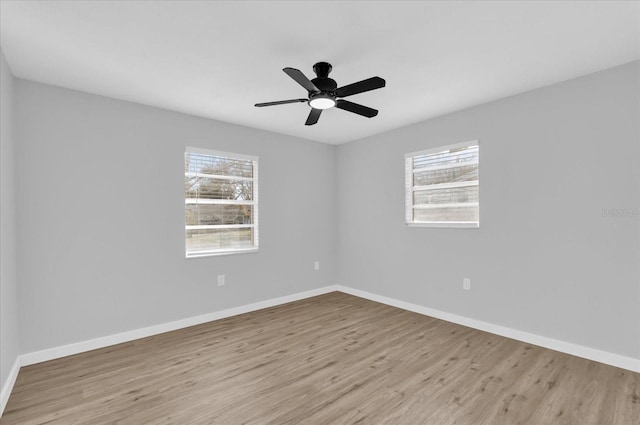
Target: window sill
(453,224)
(217,253)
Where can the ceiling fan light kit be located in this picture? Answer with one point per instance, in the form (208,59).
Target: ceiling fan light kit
(322,101)
(323,92)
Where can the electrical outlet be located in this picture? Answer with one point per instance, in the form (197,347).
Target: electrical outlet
(316,265)
(466,284)
(220,280)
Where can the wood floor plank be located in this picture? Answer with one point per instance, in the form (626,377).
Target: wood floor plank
(331,359)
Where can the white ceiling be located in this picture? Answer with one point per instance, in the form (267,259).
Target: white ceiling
(216,59)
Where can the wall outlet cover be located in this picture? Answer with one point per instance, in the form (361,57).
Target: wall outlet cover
(466,284)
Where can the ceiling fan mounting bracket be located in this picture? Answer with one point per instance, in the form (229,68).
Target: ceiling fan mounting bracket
(322,69)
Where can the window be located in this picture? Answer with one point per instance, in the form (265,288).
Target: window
(221,202)
(442,186)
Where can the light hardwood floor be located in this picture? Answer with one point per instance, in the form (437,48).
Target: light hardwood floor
(331,359)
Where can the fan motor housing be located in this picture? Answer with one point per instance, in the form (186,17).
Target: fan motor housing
(325,84)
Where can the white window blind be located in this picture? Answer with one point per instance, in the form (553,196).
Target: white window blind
(221,202)
(442,186)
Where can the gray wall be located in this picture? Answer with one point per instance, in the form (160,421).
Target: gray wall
(100,197)
(101,201)
(544,260)
(9,348)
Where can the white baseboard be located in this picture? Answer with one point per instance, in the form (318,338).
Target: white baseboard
(105,341)
(8,385)
(612,359)
(605,357)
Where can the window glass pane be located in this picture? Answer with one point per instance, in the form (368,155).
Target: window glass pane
(448,175)
(207,214)
(446,196)
(446,214)
(208,188)
(209,164)
(443,186)
(216,187)
(218,239)
(452,156)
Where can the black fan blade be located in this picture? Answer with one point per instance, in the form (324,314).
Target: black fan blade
(361,87)
(313,116)
(281,102)
(356,109)
(300,78)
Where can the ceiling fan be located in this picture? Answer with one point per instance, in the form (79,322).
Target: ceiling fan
(324,92)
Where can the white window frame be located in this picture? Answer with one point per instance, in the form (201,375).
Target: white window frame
(253,203)
(410,188)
